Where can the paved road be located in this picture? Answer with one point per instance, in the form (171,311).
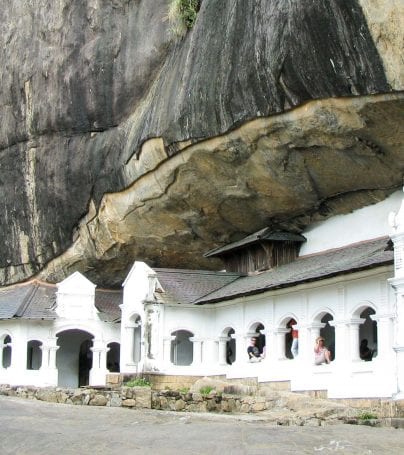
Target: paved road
(33,427)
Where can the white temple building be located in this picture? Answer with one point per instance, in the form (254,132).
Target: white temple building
(342,279)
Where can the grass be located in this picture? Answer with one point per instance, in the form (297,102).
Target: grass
(138,382)
(366,415)
(206,390)
(182,15)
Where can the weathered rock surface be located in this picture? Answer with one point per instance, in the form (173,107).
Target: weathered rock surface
(119,143)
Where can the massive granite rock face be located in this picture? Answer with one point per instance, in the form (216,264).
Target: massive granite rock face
(119,141)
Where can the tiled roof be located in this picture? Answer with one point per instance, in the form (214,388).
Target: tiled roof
(187,286)
(263,234)
(32,300)
(107,303)
(308,268)
(35,300)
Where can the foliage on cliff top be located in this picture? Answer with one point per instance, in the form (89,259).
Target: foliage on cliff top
(182,15)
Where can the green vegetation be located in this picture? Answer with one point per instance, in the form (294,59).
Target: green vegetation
(206,390)
(138,382)
(182,15)
(184,390)
(365,415)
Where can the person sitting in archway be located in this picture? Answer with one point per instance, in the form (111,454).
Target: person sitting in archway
(253,352)
(321,353)
(294,349)
(364,352)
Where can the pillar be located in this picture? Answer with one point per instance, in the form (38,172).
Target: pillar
(241,348)
(385,337)
(353,326)
(223,350)
(48,369)
(99,370)
(279,335)
(341,345)
(197,351)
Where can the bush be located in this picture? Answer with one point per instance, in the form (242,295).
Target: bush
(365,415)
(206,390)
(182,15)
(138,382)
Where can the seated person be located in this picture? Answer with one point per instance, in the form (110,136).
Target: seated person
(254,354)
(321,353)
(364,352)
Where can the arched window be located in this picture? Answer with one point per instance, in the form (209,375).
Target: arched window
(291,339)
(182,348)
(34,355)
(6,352)
(113,357)
(227,347)
(137,339)
(367,335)
(256,331)
(328,333)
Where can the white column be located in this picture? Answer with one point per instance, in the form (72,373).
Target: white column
(341,345)
(241,348)
(353,326)
(223,350)
(270,346)
(197,351)
(385,337)
(49,372)
(280,334)
(305,354)
(99,370)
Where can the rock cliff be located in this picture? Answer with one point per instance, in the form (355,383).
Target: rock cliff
(120,141)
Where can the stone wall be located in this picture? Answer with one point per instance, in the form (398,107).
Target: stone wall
(277,407)
(130,397)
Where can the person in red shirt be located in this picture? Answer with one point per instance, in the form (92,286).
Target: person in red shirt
(294,349)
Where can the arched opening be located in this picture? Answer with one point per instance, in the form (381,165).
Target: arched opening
(34,355)
(261,341)
(113,356)
(367,335)
(74,358)
(328,333)
(6,352)
(182,348)
(137,339)
(230,348)
(291,339)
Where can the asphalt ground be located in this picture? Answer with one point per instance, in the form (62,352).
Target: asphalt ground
(33,427)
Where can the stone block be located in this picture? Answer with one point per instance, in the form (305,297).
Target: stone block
(197,397)
(179,405)
(211,405)
(47,395)
(98,400)
(62,397)
(258,406)
(130,403)
(142,396)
